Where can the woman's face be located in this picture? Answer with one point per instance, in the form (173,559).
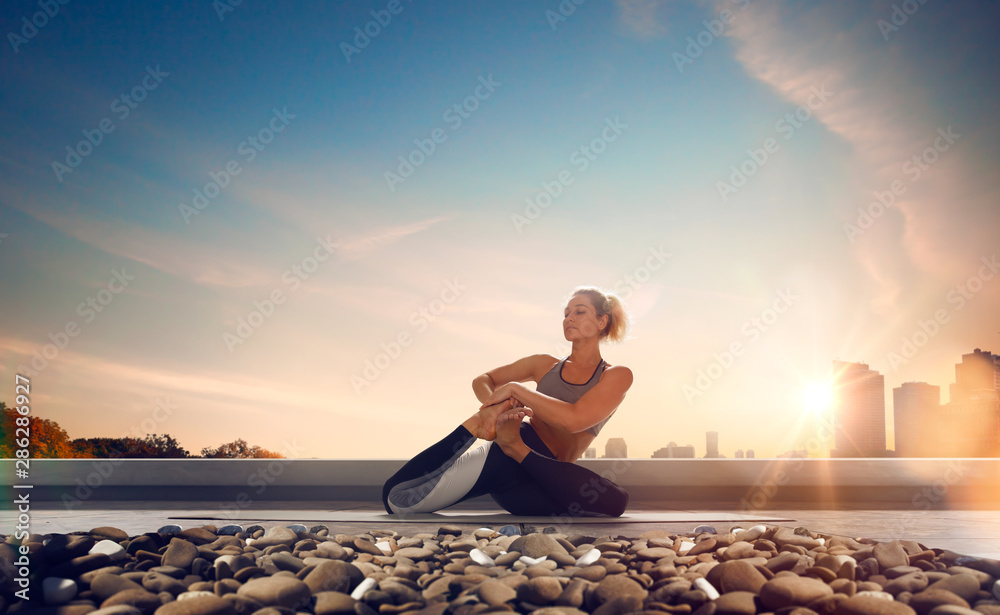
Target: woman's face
(580,319)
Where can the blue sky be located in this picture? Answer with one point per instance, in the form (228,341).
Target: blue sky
(629,121)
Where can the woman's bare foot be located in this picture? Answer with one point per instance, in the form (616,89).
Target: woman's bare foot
(508,433)
(483,424)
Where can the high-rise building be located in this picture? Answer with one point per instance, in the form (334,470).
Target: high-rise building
(749,453)
(972,413)
(672,451)
(711,444)
(615,448)
(739,453)
(916,411)
(859,411)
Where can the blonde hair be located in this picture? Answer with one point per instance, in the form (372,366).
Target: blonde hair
(606,303)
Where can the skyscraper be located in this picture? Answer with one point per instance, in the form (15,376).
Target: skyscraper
(615,448)
(711,444)
(858,410)
(916,410)
(973,410)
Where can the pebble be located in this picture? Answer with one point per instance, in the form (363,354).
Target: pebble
(169,530)
(58,591)
(289,570)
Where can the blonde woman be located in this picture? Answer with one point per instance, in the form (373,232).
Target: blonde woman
(533,435)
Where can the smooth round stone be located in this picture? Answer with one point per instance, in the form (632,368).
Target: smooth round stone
(736,575)
(926,600)
(110,548)
(415,553)
(736,603)
(890,554)
(180,553)
(334,575)
(913,582)
(537,545)
(509,530)
(860,604)
(588,558)
(157,582)
(359,592)
(618,585)
(229,530)
(169,530)
(591,573)
(199,603)
(275,536)
(453,530)
(573,594)
(332,550)
(297,527)
(784,591)
(334,603)
(107,585)
(111,533)
(653,553)
(317,529)
(58,591)
(139,598)
(703,584)
(996,589)
(704,529)
(119,609)
(876,594)
(786,536)
(685,546)
(540,590)
(964,586)
(278,591)
(191,595)
(531,561)
(481,558)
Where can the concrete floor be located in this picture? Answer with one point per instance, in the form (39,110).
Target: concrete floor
(970,532)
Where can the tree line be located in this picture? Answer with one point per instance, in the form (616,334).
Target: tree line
(50,441)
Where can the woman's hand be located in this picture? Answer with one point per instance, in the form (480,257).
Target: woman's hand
(505,392)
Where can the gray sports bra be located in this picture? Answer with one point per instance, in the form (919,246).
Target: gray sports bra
(553,385)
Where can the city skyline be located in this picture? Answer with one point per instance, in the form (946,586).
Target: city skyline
(312,228)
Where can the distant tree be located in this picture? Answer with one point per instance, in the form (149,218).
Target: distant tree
(152,446)
(239,449)
(46,439)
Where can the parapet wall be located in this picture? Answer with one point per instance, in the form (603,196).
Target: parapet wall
(747,484)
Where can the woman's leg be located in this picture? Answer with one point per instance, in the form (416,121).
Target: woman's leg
(445,473)
(554,487)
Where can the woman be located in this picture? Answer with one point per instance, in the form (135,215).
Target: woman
(527,466)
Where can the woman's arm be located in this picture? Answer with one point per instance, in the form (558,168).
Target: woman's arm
(527,369)
(595,406)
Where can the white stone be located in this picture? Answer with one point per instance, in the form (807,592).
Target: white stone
(996,589)
(531,561)
(481,558)
(703,584)
(385,547)
(879,595)
(111,549)
(189,595)
(685,547)
(362,589)
(58,591)
(751,534)
(588,558)
(228,559)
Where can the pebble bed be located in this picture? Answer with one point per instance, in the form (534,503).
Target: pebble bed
(231,570)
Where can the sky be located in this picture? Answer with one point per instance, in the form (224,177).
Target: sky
(310,225)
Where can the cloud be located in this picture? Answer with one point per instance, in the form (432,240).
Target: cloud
(639,18)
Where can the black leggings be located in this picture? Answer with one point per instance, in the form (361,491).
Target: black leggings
(446,474)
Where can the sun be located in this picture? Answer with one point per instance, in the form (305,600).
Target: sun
(818,398)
